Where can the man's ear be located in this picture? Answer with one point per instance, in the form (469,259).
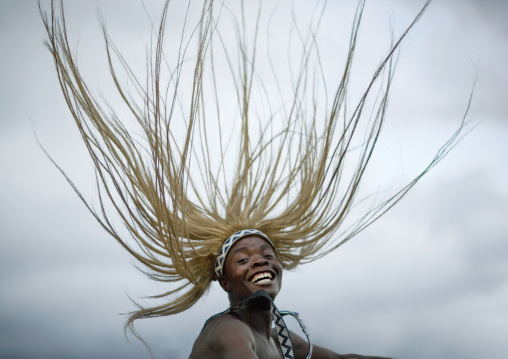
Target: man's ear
(224,283)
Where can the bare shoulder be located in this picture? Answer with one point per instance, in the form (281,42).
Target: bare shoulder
(224,337)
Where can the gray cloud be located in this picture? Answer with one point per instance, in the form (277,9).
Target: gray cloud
(426,281)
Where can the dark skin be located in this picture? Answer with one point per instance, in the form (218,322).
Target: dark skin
(247,332)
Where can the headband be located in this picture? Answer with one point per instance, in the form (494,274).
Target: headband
(221,257)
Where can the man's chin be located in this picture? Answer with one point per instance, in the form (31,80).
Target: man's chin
(271,288)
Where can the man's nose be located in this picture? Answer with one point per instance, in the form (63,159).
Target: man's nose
(259,261)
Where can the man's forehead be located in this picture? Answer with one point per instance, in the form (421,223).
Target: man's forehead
(243,248)
(247,243)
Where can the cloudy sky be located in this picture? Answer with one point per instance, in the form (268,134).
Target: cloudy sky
(429,280)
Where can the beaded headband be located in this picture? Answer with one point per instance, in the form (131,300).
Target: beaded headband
(221,257)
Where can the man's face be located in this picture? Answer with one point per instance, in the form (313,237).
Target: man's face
(251,265)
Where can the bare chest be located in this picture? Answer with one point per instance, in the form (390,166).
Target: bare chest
(265,348)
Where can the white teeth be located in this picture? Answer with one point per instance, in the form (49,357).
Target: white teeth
(264,277)
(263,281)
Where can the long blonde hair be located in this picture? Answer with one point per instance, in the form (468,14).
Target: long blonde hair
(295,178)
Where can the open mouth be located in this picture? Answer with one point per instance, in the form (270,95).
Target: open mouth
(262,278)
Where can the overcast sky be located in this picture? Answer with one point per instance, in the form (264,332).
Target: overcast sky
(429,280)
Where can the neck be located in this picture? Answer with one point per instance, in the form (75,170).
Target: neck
(257,314)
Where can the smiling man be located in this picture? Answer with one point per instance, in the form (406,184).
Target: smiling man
(249,271)
(186,206)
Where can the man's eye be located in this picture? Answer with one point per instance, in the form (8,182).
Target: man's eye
(242,260)
(268,256)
